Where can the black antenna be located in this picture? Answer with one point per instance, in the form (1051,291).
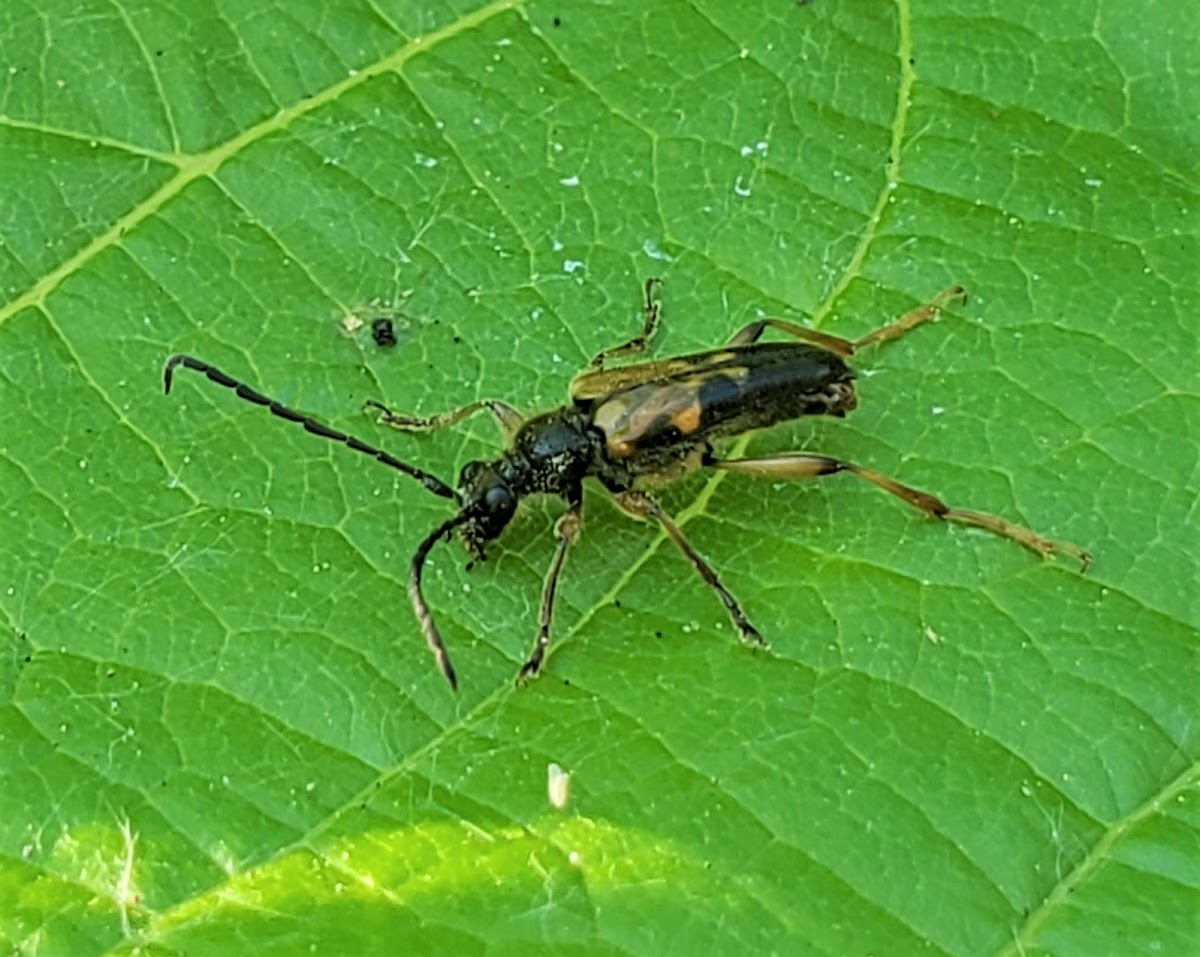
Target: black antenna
(420,608)
(430,482)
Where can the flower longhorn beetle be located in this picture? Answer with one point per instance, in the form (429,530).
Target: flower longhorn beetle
(640,425)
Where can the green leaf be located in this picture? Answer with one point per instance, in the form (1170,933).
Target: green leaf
(220,731)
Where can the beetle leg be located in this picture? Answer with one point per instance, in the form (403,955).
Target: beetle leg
(894,330)
(566,529)
(751,334)
(506,416)
(642,506)
(799,465)
(639,342)
(847,347)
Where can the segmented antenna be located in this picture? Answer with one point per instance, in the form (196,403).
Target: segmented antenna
(430,482)
(417,597)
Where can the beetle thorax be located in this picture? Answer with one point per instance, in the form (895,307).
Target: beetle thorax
(552,453)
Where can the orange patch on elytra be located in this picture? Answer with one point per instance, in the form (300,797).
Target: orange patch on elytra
(687,420)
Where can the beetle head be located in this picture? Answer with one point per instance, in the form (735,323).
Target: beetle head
(488,504)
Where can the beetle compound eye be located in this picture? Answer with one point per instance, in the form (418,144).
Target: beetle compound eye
(499,500)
